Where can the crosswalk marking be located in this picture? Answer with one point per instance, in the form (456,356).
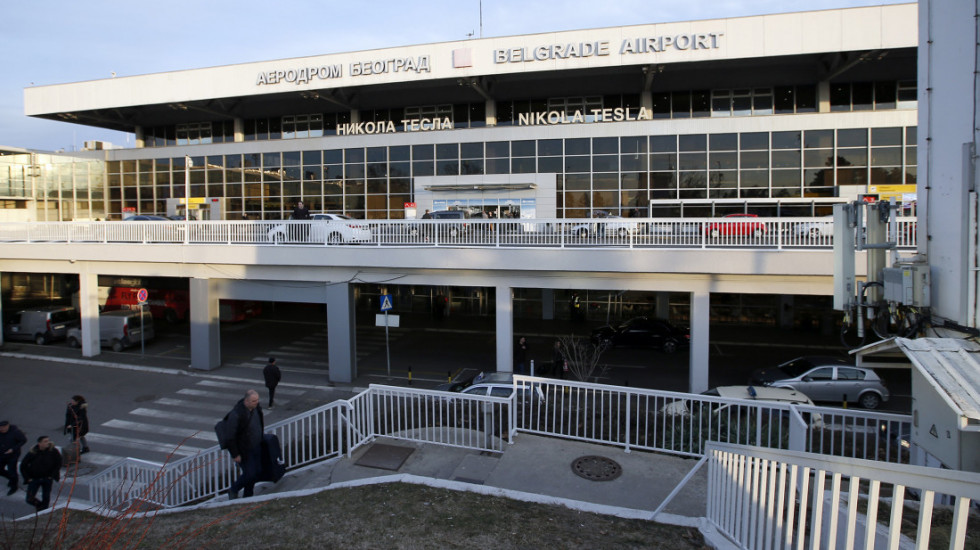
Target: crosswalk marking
(175,415)
(143,444)
(222,384)
(217,407)
(206,435)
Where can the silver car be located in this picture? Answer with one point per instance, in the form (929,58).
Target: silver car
(826,379)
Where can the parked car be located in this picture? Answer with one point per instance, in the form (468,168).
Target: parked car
(171,304)
(147,218)
(815,229)
(42,325)
(501,384)
(323,228)
(736,225)
(118,330)
(459,382)
(747,393)
(451,230)
(826,379)
(615,227)
(643,332)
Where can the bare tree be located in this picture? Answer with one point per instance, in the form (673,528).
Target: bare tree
(582,357)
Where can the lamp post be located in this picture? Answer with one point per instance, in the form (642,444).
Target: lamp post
(187,197)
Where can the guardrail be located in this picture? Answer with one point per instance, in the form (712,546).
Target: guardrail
(671,422)
(766,498)
(773,233)
(682,423)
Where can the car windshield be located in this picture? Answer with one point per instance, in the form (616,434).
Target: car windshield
(796,367)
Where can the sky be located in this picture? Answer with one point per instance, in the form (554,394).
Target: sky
(62,41)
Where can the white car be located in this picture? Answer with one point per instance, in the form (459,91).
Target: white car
(612,228)
(816,229)
(323,228)
(682,407)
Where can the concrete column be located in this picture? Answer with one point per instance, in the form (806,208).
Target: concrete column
(239,129)
(341,336)
(205,329)
(646,100)
(491,112)
(505,329)
(663,306)
(355,116)
(547,304)
(786,311)
(88,306)
(140,139)
(823,96)
(700,315)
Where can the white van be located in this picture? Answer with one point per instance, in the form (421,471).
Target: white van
(118,329)
(42,325)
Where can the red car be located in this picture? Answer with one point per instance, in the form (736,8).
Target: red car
(740,224)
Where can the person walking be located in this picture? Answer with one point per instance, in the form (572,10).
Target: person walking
(246,447)
(558,360)
(40,468)
(520,356)
(272,376)
(11,440)
(76,421)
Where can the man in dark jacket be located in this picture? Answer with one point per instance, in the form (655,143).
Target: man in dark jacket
(246,446)
(40,468)
(11,440)
(272,377)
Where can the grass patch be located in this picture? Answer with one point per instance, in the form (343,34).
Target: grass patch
(393,515)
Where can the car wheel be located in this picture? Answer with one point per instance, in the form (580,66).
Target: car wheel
(715,233)
(583,233)
(413,232)
(869,400)
(334,238)
(74,343)
(453,232)
(40,339)
(171,317)
(757,232)
(670,346)
(117,346)
(623,232)
(815,233)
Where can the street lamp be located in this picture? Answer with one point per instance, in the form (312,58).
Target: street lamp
(188,163)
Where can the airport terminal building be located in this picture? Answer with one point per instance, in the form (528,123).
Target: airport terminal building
(775,114)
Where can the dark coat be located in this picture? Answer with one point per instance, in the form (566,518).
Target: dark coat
(272,375)
(13,440)
(40,464)
(249,427)
(301,213)
(76,417)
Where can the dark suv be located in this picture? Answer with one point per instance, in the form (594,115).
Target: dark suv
(442,230)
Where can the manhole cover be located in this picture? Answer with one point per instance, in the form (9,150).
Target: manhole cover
(596,468)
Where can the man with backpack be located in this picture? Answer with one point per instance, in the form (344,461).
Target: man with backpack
(244,427)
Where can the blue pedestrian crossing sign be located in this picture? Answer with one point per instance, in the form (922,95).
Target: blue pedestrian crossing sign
(386,302)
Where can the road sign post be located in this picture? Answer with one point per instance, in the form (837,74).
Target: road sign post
(386,307)
(141,296)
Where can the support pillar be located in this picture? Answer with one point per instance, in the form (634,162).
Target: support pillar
(341,336)
(547,304)
(700,342)
(490,112)
(823,96)
(662,305)
(238,126)
(205,327)
(505,329)
(88,307)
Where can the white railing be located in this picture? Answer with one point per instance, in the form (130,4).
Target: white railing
(330,431)
(706,233)
(764,499)
(682,423)
(671,422)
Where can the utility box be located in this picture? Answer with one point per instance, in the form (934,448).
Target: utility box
(907,284)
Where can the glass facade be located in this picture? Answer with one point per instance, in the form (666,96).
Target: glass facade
(617,174)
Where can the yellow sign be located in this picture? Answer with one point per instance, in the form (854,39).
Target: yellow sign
(193,200)
(900,192)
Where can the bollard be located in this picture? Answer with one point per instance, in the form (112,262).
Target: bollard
(845,401)
(410,375)
(532,367)
(449,376)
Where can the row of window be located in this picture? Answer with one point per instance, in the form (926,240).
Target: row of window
(857,96)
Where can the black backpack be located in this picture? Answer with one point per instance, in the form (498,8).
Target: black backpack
(225,432)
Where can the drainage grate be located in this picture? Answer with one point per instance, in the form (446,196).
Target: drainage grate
(596,468)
